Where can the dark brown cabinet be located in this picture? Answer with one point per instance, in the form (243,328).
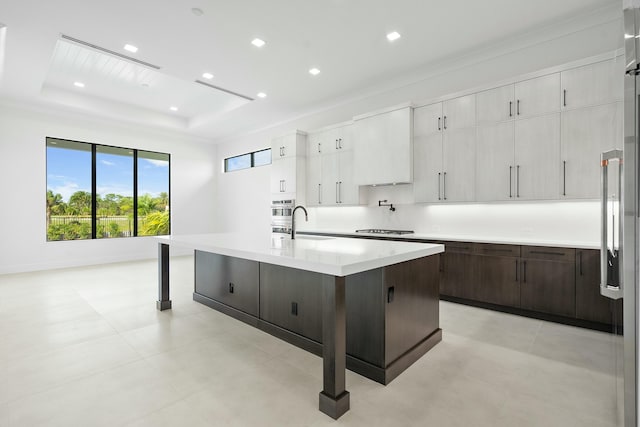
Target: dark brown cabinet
(548,280)
(392,313)
(590,305)
(289,298)
(498,280)
(409,287)
(457,270)
(228,280)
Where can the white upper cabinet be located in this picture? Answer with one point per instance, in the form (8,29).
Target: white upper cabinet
(523,99)
(288,166)
(495,162)
(593,84)
(383,148)
(537,148)
(283,175)
(495,105)
(458,113)
(427,120)
(314,144)
(444,151)
(314,180)
(330,168)
(286,146)
(537,96)
(427,169)
(586,133)
(517,160)
(459,165)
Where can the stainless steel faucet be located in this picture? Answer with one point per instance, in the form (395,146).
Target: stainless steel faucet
(293,219)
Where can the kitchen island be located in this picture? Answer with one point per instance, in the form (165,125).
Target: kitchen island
(370,306)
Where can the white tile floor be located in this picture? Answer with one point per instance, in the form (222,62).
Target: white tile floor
(86,347)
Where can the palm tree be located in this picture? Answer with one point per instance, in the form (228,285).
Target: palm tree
(53,203)
(146,205)
(80,202)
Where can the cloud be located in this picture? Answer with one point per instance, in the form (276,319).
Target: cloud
(108,163)
(122,190)
(157,163)
(66,190)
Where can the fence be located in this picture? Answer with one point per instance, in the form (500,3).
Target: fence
(113,226)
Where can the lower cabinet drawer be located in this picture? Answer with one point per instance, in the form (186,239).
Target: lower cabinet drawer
(231,281)
(289,299)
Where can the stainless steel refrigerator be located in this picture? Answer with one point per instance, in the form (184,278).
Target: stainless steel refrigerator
(620,224)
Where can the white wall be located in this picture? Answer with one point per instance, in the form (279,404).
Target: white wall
(571,221)
(23,181)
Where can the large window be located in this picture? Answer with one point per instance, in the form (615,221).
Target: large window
(98,191)
(249,160)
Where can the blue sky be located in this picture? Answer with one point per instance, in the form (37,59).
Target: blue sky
(69,171)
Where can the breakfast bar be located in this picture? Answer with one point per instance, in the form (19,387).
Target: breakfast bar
(365,305)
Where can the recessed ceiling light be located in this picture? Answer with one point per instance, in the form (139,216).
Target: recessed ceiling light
(258,42)
(207,76)
(393,36)
(78,84)
(197,11)
(261,95)
(314,71)
(173,108)
(131,48)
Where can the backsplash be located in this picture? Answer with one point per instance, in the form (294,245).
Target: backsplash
(575,221)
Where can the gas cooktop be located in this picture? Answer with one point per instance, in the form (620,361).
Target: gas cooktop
(383,231)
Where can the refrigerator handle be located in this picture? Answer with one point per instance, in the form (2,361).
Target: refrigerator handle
(611,245)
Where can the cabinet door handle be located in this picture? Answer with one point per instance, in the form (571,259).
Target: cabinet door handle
(524,271)
(319,149)
(510,108)
(580,263)
(337,190)
(510,181)
(439,120)
(340,143)
(518,181)
(294,308)
(390,294)
(336,143)
(516,270)
(231,288)
(439,185)
(518,107)
(444,122)
(564,177)
(564,98)
(319,194)
(444,185)
(340,187)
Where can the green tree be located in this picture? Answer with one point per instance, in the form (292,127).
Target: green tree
(80,203)
(146,205)
(54,205)
(163,201)
(155,224)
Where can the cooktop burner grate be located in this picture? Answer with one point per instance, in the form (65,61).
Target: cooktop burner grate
(383,231)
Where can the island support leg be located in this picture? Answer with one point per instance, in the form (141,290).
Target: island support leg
(334,399)
(163,303)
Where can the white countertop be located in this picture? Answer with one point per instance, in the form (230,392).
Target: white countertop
(328,255)
(526,241)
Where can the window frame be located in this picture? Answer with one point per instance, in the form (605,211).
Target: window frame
(94,199)
(252,155)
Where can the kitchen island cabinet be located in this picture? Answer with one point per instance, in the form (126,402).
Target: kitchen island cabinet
(370,306)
